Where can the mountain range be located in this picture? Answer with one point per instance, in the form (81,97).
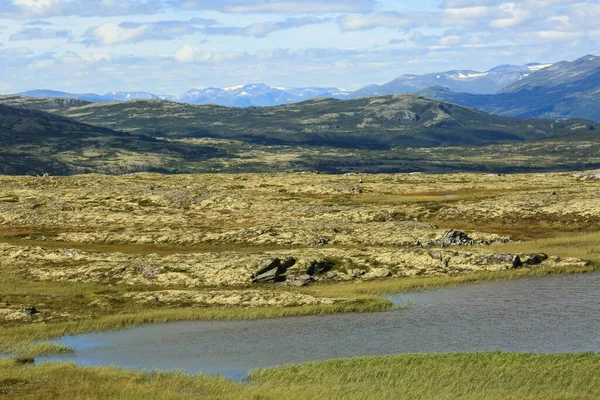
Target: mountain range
(466,81)
(263,95)
(561,91)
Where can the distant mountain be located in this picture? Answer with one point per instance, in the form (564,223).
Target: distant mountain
(34,142)
(462,81)
(126,96)
(44,94)
(564,90)
(52,105)
(369,123)
(262,95)
(259,94)
(91,97)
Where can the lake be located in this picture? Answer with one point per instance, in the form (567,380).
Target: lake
(553,314)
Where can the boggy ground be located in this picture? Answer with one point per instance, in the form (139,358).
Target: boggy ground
(95,252)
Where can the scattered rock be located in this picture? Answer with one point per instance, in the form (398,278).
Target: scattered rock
(29,310)
(453,237)
(456,237)
(535,259)
(273,270)
(436,255)
(331,275)
(320,241)
(357,272)
(319,267)
(516,262)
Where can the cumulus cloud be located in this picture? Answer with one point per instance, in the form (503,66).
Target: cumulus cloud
(278,6)
(38,23)
(39,9)
(475,34)
(39,34)
(133,32)
(262,29)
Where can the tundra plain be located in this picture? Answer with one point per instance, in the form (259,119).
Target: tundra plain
(94,252)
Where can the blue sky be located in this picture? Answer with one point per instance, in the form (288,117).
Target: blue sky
(170,46)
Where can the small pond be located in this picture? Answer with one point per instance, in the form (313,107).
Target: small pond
(554,314)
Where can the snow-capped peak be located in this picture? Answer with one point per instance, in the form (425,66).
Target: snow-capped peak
(537,67)
(232,88)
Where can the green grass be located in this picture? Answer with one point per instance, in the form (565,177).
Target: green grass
(422,376)
(583,245)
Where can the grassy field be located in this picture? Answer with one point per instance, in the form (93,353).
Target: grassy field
(446,376)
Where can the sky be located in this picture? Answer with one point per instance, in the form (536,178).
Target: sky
(167,47)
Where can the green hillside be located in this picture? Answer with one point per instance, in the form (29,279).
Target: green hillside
(368,123)
(34,142)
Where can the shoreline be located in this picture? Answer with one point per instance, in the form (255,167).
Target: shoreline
(368,298)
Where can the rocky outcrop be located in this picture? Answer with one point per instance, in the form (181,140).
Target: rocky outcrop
(273,270)
(454,237)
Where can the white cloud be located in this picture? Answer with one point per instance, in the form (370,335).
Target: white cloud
(40,34)
(190,54)
(278,6)
(37,6)
(559,35)
(369,21)
(110,33)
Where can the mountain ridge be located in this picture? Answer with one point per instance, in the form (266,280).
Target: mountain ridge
(263,95)
(563,91)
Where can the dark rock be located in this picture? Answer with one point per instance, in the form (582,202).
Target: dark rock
(29,310)
(535,259)
(319,267)
(456,237)
(516,261)
(273,270)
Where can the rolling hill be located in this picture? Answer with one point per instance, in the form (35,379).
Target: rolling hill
(34,142)
(372,123)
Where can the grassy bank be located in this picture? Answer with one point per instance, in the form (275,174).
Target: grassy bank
(402,285)
(443,376)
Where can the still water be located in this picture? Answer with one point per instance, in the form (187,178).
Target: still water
(555,314)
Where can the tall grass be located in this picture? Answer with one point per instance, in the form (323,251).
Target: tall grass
(423,376)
